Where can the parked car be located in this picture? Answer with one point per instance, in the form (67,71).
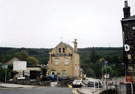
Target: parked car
(90,84)
(97,84)
(77,84)
(20,77)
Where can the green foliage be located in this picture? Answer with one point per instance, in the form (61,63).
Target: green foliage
(32,60)
(94,57)
(98,66)
(40,54)
(107,69)
(90,73)
(89,58)
(23,55)
(2,75)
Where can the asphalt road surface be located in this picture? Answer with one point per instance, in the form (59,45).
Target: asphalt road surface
(40,90)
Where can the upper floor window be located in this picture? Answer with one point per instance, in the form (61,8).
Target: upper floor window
(60,50)
(56,61)
(63,50)
(66,61)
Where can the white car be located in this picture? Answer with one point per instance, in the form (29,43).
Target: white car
(77,83)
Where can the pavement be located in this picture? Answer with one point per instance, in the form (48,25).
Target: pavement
(9,85)
(89,90)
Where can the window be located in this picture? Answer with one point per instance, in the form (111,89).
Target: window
(63,50)
(63,72)
(56,61)
(66,61)
(60,50)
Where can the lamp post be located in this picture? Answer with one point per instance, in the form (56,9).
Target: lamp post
(5,67)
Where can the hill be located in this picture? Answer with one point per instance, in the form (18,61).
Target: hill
(88,59)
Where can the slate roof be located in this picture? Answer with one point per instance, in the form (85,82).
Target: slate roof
(12,60)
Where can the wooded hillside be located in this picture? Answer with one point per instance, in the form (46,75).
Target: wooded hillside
(91,59)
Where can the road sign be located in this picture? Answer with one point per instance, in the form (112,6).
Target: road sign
(4,66)
(105,63)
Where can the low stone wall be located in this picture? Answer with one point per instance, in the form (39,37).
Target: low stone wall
(64,83)
(45,83)
(23,82)
(28,82)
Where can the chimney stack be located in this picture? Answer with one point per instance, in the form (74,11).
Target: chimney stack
(126,4)
(75,45)
(126,10)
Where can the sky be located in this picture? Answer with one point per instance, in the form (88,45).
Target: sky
(45,23)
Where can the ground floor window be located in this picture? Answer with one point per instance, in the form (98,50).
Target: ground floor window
(63,72)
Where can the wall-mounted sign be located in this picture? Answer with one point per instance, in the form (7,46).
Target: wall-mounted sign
(129,56)
(126,47)
(128,78)
(19,65)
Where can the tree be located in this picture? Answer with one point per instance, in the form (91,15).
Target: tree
(107,69)
(32,60)
(94,57)
(90,72)
(98,68)
(23,55)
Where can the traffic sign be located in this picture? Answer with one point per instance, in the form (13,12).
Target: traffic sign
(105,63)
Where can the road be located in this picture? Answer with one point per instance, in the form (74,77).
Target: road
(40,90)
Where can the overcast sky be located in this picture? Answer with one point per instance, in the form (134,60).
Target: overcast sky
(44,23)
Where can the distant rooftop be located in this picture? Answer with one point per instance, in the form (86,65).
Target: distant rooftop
(66,45)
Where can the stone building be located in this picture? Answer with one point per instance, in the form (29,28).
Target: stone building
(128,31)
(12,60)
(31,71)
(64,61)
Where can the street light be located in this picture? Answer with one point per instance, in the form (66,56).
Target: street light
(5,66)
